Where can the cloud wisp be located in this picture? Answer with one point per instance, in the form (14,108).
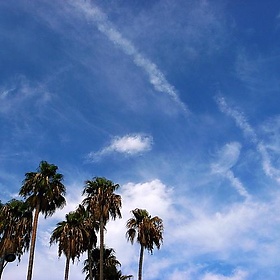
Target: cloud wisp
(226,159)
(19,94)
(250,134)
(131,144)
(156,77)
(237,275)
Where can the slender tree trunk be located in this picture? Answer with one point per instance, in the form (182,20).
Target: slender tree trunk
(3,244)
(2,253)
(33,241)
(2,262)
(90,264)
(4,249)
(101,248)
(141,258)
(67,266)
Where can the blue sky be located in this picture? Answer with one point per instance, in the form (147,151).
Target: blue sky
(177,101)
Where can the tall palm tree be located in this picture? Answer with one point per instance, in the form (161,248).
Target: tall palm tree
(15,229)
(44,192)
(104,204)
(149,232)
(72,236)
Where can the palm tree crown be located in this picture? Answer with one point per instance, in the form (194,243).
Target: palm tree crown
(44,189)
(15,229)
(101,199)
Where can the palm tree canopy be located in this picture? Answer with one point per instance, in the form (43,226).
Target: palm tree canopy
(101,199)
(149,230)
(15,227)
(44,189)
(71,235)
(89,224)
(110,262)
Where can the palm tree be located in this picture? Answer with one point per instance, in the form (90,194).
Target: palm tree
(120,276)
(92,227)
(72,236)
(110,264)
(102,203)
(44,192)
(109,261)
(149,231)
(15,229)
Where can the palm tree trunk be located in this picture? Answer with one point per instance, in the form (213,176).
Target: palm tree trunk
(90,264)
(67,266)
(101,248)
(2,261)
(141,257)
(33,240)
(3,251)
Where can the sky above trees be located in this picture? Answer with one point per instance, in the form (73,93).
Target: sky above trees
(176,101)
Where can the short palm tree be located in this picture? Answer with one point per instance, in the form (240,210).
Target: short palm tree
(110,265)
(148,232)
(44,192)
(72,237)
(104,204)
(91,226)
(15,229)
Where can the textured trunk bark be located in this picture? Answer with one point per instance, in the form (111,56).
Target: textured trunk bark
(67,266)
(2,253)
(90,264)
(141,258)
(2,261)
(33,241)
(101,248)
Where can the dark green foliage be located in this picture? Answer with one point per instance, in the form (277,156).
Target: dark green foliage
(15,227)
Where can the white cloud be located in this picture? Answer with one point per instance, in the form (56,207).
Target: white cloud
(157,199)
(14,97)
(271,132)
(239,233)
(237,184)
(156,77)
(130,144)
(238,275)
(218,232)
(250,133)
(239,118)
(226,159)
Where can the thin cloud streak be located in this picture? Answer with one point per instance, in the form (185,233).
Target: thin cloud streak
(156,77)
(249,133)
(237,184)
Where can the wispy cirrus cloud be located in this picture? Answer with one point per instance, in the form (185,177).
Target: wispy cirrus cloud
(19,92)
(251,135)
(156,77)
(226,159)
(131,144)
